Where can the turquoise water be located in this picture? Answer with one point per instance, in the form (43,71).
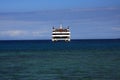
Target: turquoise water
(46,60)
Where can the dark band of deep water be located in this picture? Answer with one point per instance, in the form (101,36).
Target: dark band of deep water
(47,60)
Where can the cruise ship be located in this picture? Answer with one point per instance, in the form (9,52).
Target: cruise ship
(60,33)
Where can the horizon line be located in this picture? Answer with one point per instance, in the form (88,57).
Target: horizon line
(50,39)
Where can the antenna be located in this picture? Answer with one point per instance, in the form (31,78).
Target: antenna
(53,27)
(60,26)
(68,27)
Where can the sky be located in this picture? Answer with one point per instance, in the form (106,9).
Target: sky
(34,19)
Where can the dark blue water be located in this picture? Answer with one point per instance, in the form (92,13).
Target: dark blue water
(46,60)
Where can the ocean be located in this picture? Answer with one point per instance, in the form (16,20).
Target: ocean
(47,60)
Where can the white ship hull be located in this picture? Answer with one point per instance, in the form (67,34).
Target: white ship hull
(61,34)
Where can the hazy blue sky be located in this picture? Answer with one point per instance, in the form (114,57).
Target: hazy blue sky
(33,19)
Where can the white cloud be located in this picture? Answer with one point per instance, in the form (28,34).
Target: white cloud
(95,9)
(116,28)
(13,33)
(39,33)
(20,23)
(20,33)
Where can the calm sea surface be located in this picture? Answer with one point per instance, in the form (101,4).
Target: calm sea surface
(47,60)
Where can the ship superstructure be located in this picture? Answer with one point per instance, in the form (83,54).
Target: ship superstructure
(60,34)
